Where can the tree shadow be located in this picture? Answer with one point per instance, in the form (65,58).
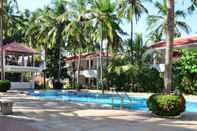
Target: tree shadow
(65,116)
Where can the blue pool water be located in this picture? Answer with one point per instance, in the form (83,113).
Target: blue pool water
(138,103)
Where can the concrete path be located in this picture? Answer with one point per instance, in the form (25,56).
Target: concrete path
(32,114)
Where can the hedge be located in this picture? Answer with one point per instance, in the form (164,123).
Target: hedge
(166,105)
(4,85)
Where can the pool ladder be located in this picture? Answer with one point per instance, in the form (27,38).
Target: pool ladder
(122,98)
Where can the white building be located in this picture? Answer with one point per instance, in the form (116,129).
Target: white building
(179,43)
(89,67)
(19,60)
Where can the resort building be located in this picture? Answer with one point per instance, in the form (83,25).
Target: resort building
(89,67)
(179,43)
(21,65)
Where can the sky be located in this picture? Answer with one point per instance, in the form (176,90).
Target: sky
(140,27)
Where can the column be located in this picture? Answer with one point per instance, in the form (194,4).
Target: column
(33,61)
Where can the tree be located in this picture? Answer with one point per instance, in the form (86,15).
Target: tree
(131,10)
(5,6)
(192,7)
(76,31)
(138,48)
(1,40)
(169,46)
(158,23)
(48,30)
(107,27)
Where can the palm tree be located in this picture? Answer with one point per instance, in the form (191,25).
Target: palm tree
(158,23)
(131,10)
(139,48)
(107,27)
(1,40)
(192,6)
(169,45)
(75,31)
(5,7)
(54,28)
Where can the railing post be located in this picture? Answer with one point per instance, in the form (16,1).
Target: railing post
(112,102)
(33,61)
(122,102)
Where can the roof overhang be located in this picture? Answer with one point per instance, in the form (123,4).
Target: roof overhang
(179,43)
(19,48)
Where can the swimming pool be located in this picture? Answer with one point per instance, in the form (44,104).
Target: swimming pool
(136,103)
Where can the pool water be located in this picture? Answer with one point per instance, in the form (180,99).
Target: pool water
(137,103)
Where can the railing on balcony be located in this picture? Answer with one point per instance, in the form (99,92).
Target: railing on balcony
(22,62)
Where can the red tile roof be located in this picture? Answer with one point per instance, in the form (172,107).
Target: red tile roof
(19,48)
(177,42)
(86,56)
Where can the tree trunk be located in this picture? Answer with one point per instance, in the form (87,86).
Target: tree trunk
(107,54)
(78,70)
(73,65)
(1,41)
(132,59)
(59,62)
(101,66)
(169,47)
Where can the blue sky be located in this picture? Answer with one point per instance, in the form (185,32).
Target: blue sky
(140,27)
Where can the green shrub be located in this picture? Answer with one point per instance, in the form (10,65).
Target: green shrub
(68,86)
(4,85)
(166,105)
(185,72)
(148,80)
(136,78)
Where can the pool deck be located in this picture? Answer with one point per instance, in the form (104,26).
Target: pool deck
(33,114)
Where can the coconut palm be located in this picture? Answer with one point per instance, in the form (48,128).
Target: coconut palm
(138,48)
(107,27)
(131,10)
(158,23)
(193,5)
(76,31)
(6,8)
(169,46)
(48,29)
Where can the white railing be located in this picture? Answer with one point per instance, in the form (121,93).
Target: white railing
(12,68)
(22,85)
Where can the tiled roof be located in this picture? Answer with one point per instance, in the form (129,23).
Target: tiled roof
(86,56)
(186,41)
(16,47)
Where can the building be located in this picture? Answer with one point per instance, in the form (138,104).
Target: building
(89,67)
(21,65)
(179,43)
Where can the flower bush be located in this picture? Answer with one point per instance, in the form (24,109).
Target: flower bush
(166,105)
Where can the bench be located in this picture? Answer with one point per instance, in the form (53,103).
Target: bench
(6,107)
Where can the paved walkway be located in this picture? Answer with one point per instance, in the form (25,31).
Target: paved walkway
(32,114)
